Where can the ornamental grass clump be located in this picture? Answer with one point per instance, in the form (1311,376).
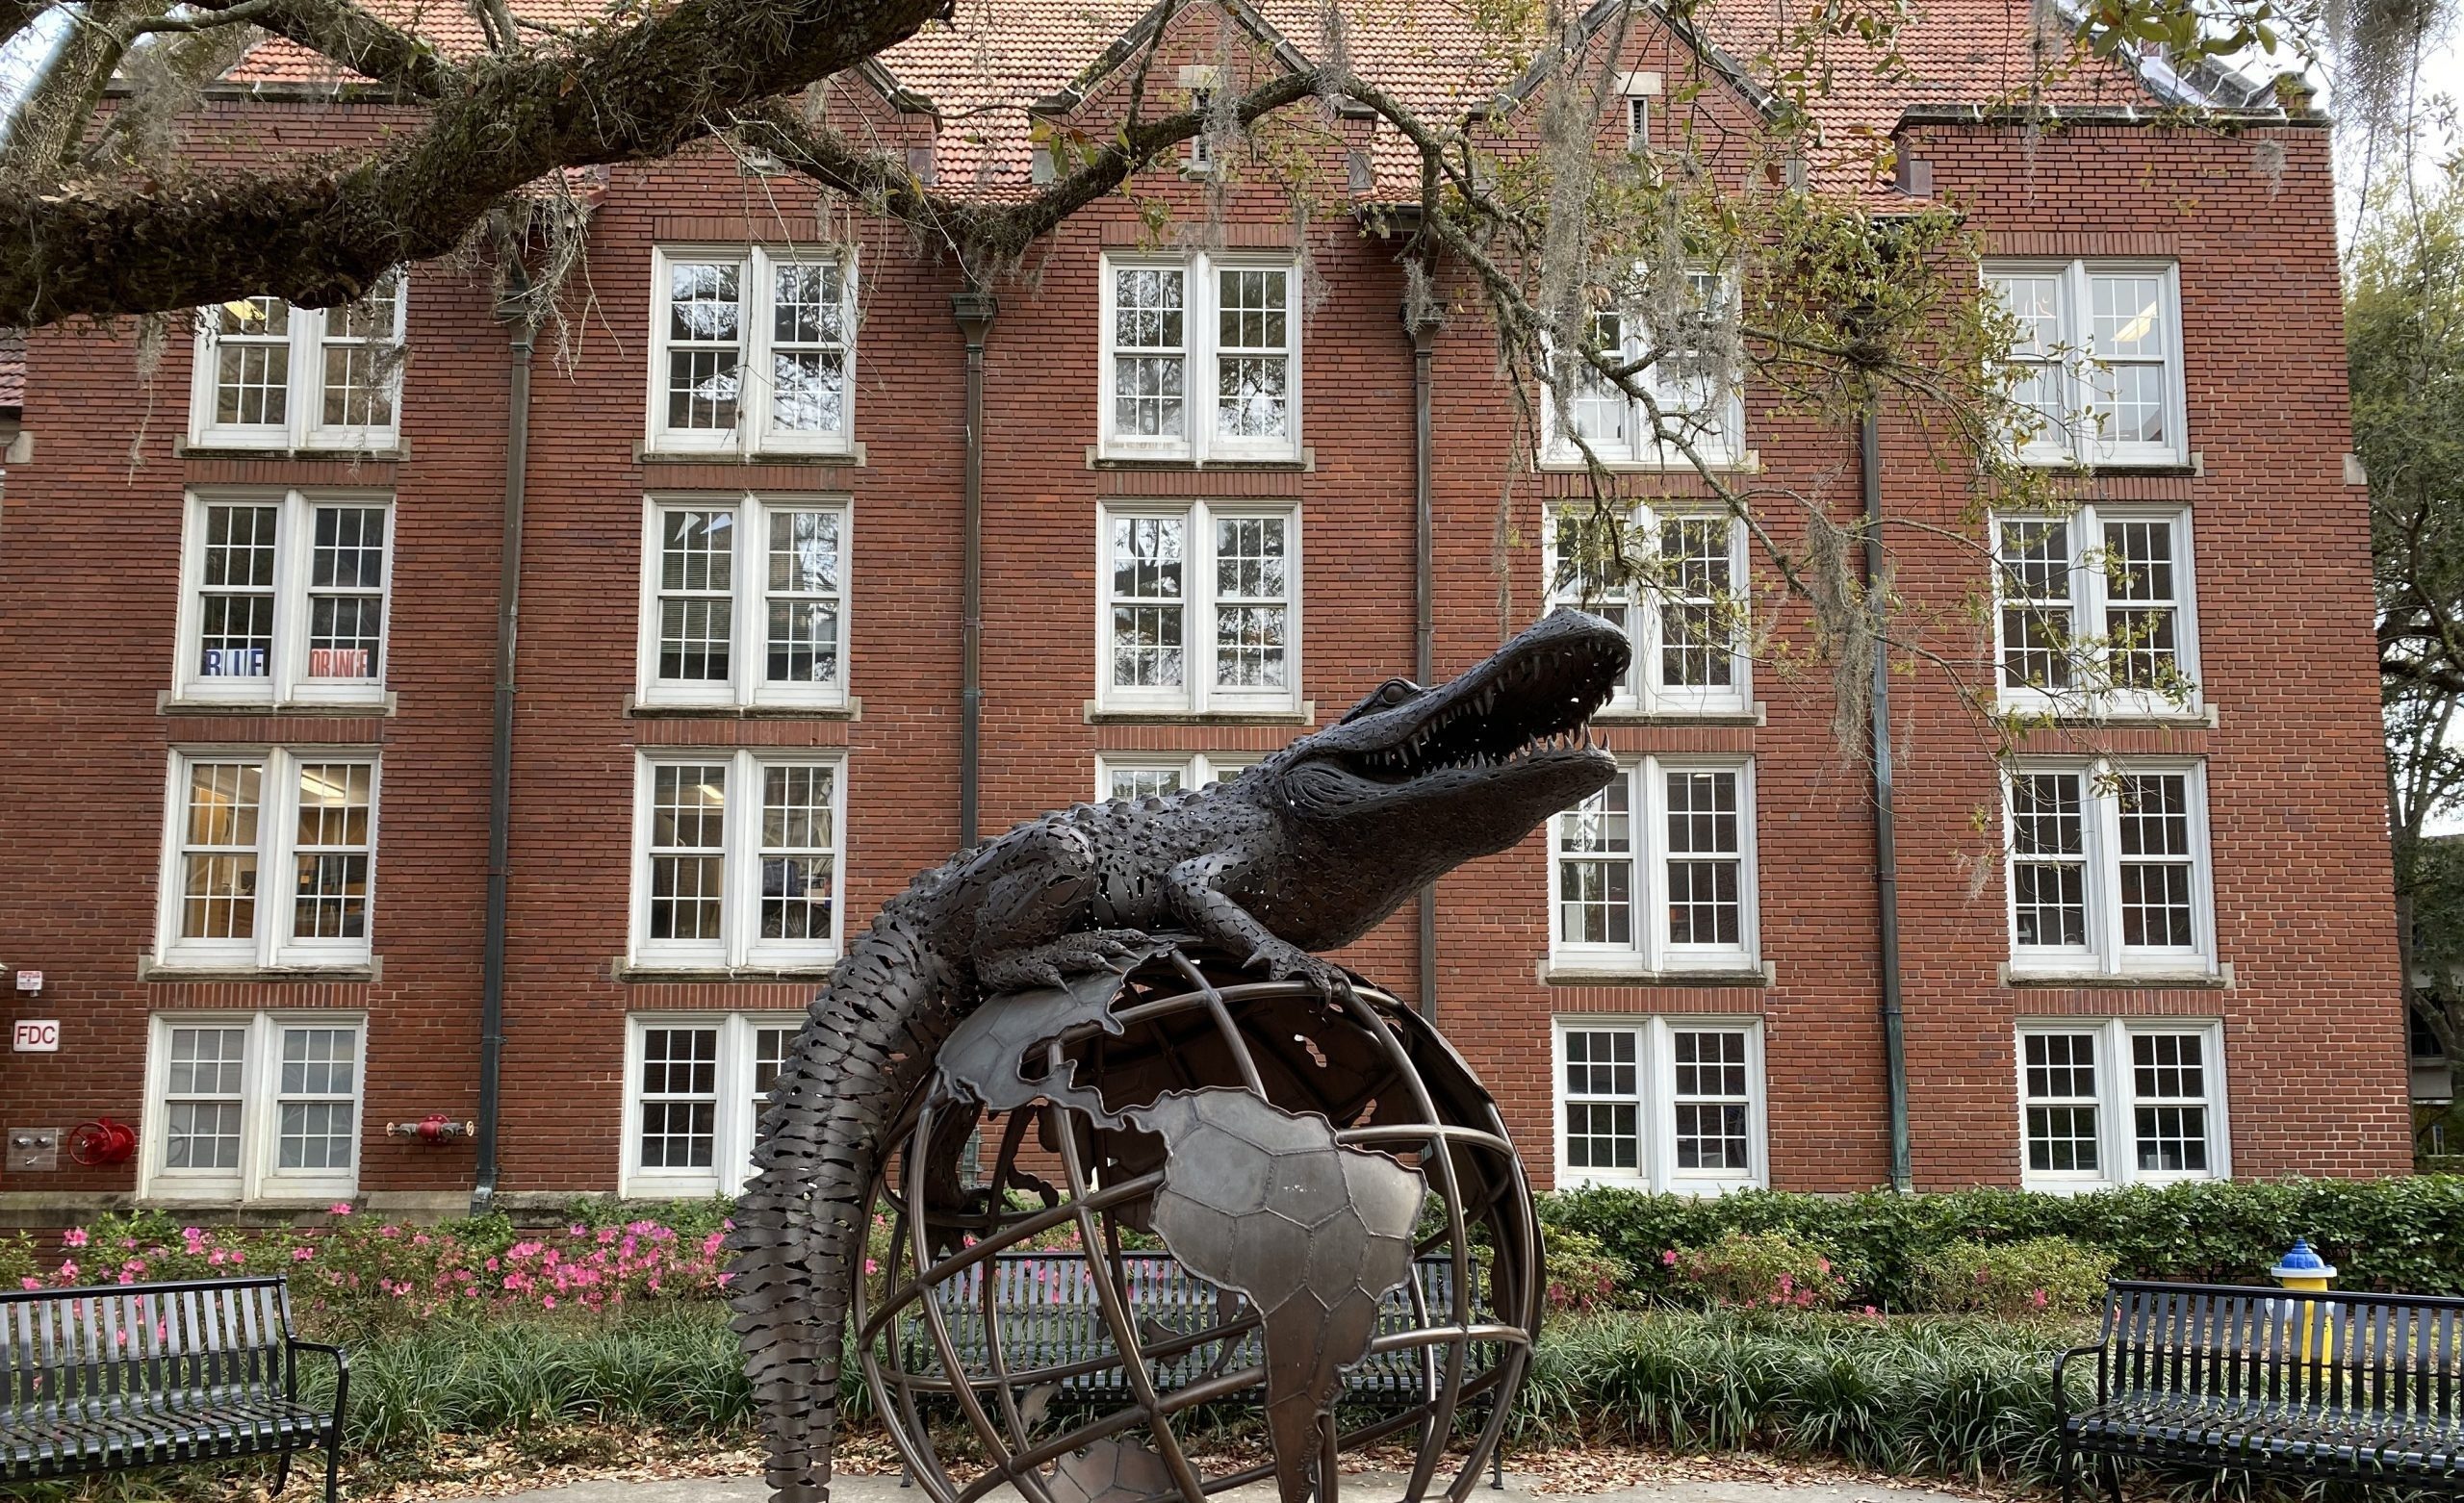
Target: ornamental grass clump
(2044,1278)
(1767,1270)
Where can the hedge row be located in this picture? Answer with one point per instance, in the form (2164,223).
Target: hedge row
(2400,1234)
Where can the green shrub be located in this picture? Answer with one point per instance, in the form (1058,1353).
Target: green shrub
(2042,1277)
(1582,1275)
(2394,1233)
(1766,1270)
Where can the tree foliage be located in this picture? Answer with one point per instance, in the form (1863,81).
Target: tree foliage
(2404,333)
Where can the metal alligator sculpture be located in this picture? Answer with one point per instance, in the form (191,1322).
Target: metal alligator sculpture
(1306,852)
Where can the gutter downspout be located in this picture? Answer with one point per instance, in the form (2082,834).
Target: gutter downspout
(1423,337)
(1870,450)
(517,459)
(974,309)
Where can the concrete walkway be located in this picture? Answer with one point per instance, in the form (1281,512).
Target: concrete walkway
(1358,1488)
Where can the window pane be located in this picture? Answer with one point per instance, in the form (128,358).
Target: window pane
(201,1098)
(1697,599)
(252,362)
(770,1045)
(704,334)
(2168,1089)
(235,639)
(696,601)
(1713,1103)
(2048,862)
(2059,1073)
(1603,1129)
(362,359)
(219,850)
(2034,300)
(680,1090)
(2155,830)
(1251,650)
(2141,607)
(1252,362)
(346,592)
(2037,625)
(1149,389)
(1141,783)
(797,842)
(332,851)
(317,1098)
(808,349)
(688,820)
(1596,869)
(1705,863)
(801,644)
(1602,412)
(1148,614)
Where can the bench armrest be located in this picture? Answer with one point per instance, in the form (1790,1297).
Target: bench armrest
(342,1373)
(2062,1365)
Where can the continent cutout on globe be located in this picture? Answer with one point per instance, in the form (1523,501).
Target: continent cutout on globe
(1266,1202)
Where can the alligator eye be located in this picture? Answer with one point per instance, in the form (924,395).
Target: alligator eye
(1395,692)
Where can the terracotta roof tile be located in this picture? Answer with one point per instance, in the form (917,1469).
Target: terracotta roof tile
(13,369)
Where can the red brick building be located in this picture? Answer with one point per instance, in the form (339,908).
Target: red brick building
(254,591)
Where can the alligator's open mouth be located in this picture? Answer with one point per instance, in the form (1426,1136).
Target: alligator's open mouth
(1532,701)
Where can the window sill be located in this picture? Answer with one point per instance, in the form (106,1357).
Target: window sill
(1747,462)
(2200,718)
(167,703)
(1098,715)
(192,449)
(2218,980)
(283,1205)
(159,973)
(1754,714)
(631,973)
(852,710)
(1304,463)
(648,453)
(2192,468)
(1760,977)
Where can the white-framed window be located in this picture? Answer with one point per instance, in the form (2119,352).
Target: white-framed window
(270,375)
(1199,606)
(1201,358)
(1659,1103)
(2099,356)
(737,858)
(269,859)
(2122,1101)
(253,1105)
(694,1084)
(2108,866)
(1655,873)
(1685,615)
(1698,396)
(2096,610)
(283,597)
(1143,775)
(752,350)
(744,603)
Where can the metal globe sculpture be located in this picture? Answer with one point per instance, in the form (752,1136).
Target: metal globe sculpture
(1121,1204)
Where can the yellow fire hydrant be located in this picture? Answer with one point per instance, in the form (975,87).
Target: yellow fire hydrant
(2302,1268)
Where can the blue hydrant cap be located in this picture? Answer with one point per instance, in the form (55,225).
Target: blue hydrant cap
(2302,1263)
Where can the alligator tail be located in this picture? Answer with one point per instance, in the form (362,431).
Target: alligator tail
(868,1041)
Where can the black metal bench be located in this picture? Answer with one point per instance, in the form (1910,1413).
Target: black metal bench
(122,1376)
(2365,1388)
(1050,1317)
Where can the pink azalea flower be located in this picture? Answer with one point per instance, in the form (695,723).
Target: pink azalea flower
(300,1255)
(74,1237)
(341,1208)
(1669,1259)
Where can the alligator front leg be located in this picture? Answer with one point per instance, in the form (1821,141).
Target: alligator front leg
(1199,902)
(1026,929)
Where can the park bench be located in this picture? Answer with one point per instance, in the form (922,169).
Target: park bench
(124,1376)
(2317,1385)
(1050,1317)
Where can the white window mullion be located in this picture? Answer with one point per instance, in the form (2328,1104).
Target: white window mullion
(1659,1112)
(1651,864)
(288,659)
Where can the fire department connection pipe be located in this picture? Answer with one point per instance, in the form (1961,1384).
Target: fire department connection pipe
(517,459)
(1869,452)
